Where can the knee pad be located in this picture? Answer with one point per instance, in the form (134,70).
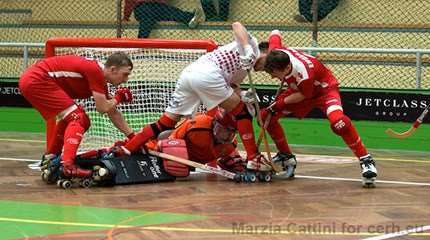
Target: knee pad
(78,116)
(178,148)
(341,125)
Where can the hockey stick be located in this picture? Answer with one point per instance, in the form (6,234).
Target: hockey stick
(269,116)
(412,129)
(275,167)
(214,170)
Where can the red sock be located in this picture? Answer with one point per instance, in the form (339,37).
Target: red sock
(56,144)
(72,138)
(277,133)
(349,134)
(150,131)
(245,129)
(246,132)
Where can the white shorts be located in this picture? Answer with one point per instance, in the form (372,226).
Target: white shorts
(199,83)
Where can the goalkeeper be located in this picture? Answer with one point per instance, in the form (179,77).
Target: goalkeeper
(214,80)
(51,84)
(208,140)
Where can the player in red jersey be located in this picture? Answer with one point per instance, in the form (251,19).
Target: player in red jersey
(310,85)
(213,80)
(51,84)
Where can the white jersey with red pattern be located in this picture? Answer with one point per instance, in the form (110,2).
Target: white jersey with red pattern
(226,59)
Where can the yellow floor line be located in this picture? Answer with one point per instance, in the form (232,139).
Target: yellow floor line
(271,229)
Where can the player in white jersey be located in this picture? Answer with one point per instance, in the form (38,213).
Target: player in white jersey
(214,81)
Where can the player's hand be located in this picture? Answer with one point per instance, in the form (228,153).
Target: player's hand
(248,58)
(278,105)
(123,95)
(248,97)
(125,141)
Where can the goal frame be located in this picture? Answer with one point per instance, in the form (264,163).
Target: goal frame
(52,43)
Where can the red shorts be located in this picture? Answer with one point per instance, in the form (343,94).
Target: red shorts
(327,98)
(44,95)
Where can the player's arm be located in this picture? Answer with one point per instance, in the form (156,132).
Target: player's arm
(275,40)
(294,98)
(247,54)
(119,122)
(241,34)
(103,105)
(291,96)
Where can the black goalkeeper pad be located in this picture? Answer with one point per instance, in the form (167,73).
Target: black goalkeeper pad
(137,168)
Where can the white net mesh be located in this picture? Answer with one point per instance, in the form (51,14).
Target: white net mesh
(152,82)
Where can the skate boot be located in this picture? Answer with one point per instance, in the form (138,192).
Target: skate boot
(73,174)
(46,158)
(256,168)
(287,162)
(368,171)
(51,169)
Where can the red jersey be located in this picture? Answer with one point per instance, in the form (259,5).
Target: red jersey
(308,75)
(77,76)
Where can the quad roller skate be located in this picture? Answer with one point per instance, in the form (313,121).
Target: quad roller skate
(287,162)
(104,173)
(256,169)
(368,171)
(51,169)
(73,175)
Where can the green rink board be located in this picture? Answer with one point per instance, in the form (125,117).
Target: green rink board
(299,132)
(26,219)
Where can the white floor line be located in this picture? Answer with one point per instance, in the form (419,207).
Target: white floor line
(359,180)
(297,176)
(399,234)
(19,159)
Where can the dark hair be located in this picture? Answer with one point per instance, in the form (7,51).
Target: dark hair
(263,46)
(276,60)
(119,59)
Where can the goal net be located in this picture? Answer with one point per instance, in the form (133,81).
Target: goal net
(157,65)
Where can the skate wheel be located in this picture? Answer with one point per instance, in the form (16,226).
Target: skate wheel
(96,167)
(59,182)
(369,183)
(250,177)
(265,177)
(86,183)
(66,184)
(237,177)
(45,176)
(103,172)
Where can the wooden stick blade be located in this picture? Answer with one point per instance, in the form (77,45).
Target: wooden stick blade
(390,132)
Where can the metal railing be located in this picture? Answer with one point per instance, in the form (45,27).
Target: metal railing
(417,52)
(25,47)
